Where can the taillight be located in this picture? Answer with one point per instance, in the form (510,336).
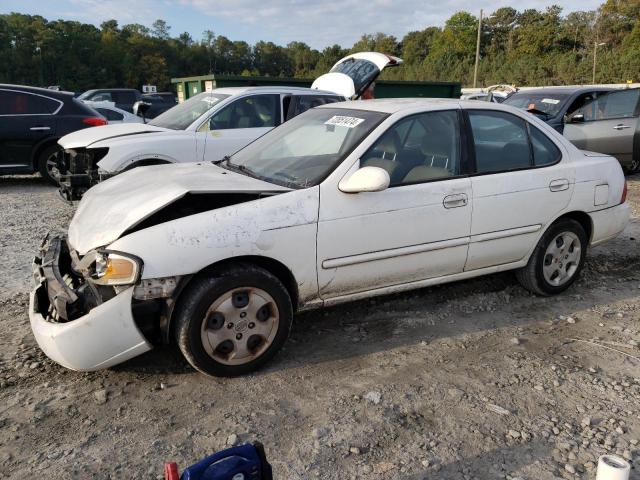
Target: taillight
(94,121)
(624,193)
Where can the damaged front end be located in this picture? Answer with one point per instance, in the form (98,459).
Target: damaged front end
(77,171)
(93,312)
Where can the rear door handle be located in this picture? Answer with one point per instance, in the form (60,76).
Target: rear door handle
(559,185)
(621,127)
(455,201)
(36,129)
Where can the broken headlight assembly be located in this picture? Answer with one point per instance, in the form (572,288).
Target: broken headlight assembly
(113,269)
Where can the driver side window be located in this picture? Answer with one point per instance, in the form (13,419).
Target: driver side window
(256,111)
(418,149)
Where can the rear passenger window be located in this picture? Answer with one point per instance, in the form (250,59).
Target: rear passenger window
(545,151)
(306,102)
(419,148)
(18,103)
(501,141)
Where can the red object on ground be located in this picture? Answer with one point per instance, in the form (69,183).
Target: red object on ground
(171,471)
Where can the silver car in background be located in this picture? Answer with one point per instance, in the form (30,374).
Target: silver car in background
(609,123)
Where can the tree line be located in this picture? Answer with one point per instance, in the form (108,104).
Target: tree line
(530,47)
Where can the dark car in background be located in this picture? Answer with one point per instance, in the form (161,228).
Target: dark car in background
(553,104)
(32,120)
(125,98)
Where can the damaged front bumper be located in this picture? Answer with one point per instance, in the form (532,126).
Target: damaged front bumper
(75,323)
(77,171)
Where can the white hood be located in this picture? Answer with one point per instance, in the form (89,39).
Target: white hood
(87,136)
(114,206)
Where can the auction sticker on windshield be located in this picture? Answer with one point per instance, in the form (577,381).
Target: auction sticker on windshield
(340,121)
(552,101)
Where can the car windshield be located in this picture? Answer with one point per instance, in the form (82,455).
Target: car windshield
(304,151)
(185,113)
(547,103)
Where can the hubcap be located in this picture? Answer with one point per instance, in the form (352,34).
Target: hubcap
(52,162)
(562,258)
(240,325)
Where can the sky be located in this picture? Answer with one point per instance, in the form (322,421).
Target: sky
(319,23)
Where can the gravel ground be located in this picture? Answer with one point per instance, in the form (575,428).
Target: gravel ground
(471,380)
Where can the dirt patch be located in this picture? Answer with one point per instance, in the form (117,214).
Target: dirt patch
(472,380)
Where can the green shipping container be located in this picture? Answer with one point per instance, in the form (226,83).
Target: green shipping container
(384,88)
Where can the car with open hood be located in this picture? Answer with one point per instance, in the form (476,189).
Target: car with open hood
(209,125)
(343,202)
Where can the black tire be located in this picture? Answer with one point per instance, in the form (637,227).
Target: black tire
(192,312)
(532,276)
(44,165)
(633,167)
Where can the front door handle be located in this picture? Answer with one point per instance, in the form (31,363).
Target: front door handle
(559,185)
(621,127)
(455,201)
(37,129)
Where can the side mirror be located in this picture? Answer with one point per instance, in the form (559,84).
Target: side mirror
(366,179)
(577,118)
(140,108)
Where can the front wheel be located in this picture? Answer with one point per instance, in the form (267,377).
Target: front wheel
(557,260)
(234,321)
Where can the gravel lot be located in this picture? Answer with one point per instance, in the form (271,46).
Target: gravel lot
(472,380)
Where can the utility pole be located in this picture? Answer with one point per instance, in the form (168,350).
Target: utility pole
(595,53)
(475,69)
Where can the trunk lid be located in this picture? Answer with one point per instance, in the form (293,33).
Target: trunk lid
(87,136)
(112,207)
(352,75)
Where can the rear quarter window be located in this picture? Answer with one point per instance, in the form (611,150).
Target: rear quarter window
(545,151)
(21,103)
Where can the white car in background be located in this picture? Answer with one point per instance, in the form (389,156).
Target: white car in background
(208,126)
(346,201)
(113,114)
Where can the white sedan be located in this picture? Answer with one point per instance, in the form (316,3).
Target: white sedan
(207,126)
(346,201)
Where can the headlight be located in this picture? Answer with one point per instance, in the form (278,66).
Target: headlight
(115,269)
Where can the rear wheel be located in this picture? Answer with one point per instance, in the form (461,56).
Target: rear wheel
(233,322)
(47,160)
(634,166)
(557,260)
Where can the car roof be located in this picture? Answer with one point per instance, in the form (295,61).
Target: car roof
(272,89)
(394,105)
(57,94)
(562,90)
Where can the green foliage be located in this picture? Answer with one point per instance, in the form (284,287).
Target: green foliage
(530,47)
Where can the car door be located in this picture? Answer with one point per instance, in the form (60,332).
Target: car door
(238,124)
(27,119)
(416,229)
(520,184)
(608,124)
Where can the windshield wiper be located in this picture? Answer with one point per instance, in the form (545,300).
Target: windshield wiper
(226,158)
(535,111)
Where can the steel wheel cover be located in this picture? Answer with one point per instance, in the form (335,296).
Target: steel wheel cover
(240,325)
(562,258)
